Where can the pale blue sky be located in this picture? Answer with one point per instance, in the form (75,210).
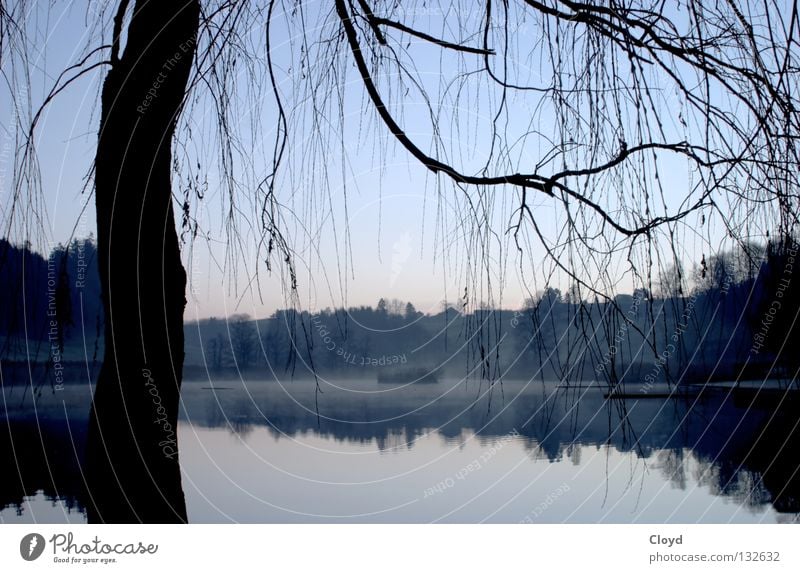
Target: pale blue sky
(397,235)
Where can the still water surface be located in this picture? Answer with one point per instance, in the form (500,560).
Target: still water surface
(361,451)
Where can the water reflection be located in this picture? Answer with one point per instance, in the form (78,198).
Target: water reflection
(362,451)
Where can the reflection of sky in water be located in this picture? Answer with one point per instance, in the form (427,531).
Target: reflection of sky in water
(391,485)
(432,453)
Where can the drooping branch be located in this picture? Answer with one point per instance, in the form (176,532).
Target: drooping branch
(377,21)
(534,181)
(531,181)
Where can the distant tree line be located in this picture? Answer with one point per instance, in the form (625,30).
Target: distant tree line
(717,320)
(48,298)
(731,315)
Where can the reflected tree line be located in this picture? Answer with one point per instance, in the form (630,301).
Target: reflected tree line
(742,448)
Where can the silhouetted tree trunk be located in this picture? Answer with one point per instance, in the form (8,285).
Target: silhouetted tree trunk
(133,470)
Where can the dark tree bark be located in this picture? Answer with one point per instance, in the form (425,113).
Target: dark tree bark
(133,474)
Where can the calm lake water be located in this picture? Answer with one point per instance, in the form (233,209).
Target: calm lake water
(361,451)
